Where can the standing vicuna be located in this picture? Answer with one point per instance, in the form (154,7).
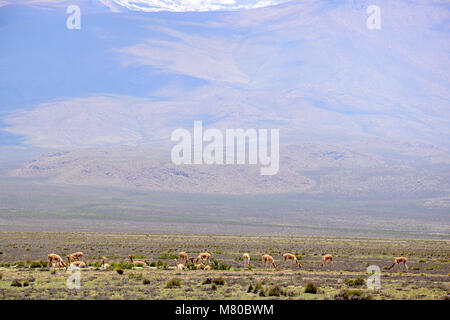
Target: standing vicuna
(293,258)
(397,262)
(55,259)
(246,258)
(138,263)
(184,257)
(327,257)
(268,260)
(104,265)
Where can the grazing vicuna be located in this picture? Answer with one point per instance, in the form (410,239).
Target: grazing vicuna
(138,263)
(268,260)
(397,262)
(79,264)
(204,256)
(55,259)
(293,258)
(327,257)
(76,255)
(246,258)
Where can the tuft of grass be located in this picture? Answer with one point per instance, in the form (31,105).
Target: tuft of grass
(214,287)
(119,270)
(53,271)
(207,281)
(167,255)
(25,283)
(16,283)
(173,283)
(135,276)
(218,281)
(258,287)
(145,281)
(354,282)
(352,295)
(276,291)
(38,264)
(311,288)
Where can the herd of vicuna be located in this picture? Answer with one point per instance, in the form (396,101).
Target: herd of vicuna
(201,262)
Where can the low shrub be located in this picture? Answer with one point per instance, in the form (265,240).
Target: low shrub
(173,283)
(311,288)
(218,281)
(16,283)
(167,255)
(275,291)
(119,270)
(38,264)
(354,282)
(258,287)
(352,295)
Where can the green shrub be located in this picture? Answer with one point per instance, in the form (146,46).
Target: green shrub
(16,283)
(352,295)
(19,263)
(173,283)
(135,276)
(275,291)
(191,266)
(38,264)
(162,265)
(219,281)
(167,255)
(311,288)
(119,270)
(354,282)
(258,287)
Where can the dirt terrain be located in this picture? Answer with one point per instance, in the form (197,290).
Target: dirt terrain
(25,275)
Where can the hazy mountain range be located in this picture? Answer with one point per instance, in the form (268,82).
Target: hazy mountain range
(362,113)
